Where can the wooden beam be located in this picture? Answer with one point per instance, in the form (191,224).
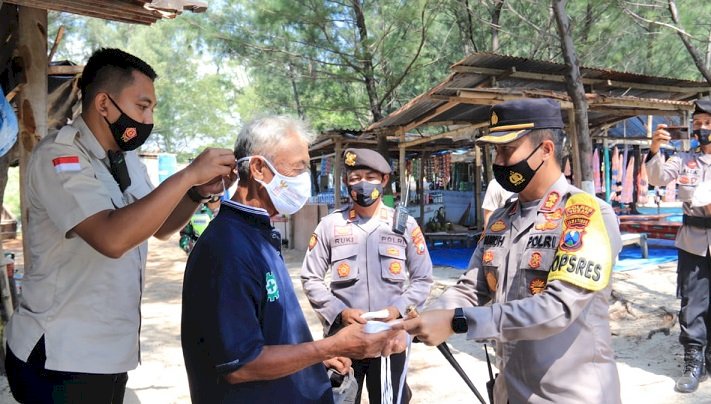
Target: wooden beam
(32,100)
(587,81)
(430,115)
(105,12)
(64,70)
(452,133)
(401,161)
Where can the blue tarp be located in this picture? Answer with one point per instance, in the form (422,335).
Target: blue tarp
(660,252)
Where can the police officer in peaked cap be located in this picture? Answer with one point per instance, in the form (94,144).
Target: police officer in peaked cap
(539,280)
(375,267)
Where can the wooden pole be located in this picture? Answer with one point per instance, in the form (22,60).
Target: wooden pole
(401,165)
(421,181)
(477,188)
(32,100)
(337,174)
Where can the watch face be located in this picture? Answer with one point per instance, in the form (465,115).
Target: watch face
(459,322)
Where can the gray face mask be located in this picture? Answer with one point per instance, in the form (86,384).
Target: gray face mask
(365,193)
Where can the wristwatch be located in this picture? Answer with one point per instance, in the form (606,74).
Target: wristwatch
(195,196)
(459,321)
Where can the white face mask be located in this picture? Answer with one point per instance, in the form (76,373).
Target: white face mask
(288,194)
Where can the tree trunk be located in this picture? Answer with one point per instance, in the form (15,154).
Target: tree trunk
(495,17)
(695,55)
(366,59)
(576,91)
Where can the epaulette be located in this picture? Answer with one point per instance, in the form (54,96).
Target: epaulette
(66,135)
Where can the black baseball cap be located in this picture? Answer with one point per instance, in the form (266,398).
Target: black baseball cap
(512,120)
(702,107)
(355,159)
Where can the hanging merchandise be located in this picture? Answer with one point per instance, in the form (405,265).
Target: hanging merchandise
(642,182)
(446,169)
(615,172)
(628,184)
(596,171)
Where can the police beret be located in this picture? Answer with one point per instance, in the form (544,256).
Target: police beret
(512,120)
(354,159)
(702,107)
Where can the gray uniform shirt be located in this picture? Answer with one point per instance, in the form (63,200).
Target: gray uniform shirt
(689,169)
(553,340)
(371,266)
(85,304)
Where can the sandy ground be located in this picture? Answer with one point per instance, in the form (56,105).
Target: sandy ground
(645,335)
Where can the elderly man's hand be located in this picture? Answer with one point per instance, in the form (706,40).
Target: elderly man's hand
(431,327)
(354,342)
(340,364)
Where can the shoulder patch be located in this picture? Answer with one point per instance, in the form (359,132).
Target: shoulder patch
(312,241)
(585,264)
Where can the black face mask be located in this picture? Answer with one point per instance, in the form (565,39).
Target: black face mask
(516,177)
(365,193)
(128,133)
(704,136)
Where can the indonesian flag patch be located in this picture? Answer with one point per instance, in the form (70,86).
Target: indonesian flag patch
(66,164)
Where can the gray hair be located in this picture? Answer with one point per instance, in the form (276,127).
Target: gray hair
(557,136)
(262,136)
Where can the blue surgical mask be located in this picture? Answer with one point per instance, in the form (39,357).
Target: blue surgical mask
(288,194)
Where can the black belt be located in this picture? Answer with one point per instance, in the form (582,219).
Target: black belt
(703,222)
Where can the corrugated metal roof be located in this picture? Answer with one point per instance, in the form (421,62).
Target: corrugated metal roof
(617,94)
(128,11)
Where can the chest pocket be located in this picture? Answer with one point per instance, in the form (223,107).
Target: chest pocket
(107,180)
(535,265)
(392,262)
(688,179)
(493,263)
(344,265)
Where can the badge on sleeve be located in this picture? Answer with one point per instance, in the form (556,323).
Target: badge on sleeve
(312,241)
(66,164)
(272,288)
(587,265)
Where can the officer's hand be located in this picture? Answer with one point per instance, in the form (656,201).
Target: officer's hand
(210,167)
(431,327)
(659,137)
(340,364)
(353,342)
(352,316)
(393,314)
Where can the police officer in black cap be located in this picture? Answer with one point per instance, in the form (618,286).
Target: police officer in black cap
(377,270)
(539,280)
(690,169)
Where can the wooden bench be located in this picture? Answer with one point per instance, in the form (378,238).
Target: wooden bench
(639,239)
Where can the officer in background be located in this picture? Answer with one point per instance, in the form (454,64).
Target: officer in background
(539,280)
(692,242)
(198,223)
(373,266)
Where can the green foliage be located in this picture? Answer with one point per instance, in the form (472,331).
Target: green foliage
(313,58)
(196,95)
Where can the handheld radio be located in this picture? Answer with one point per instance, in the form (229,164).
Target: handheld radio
(401,214)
